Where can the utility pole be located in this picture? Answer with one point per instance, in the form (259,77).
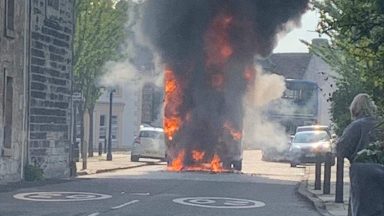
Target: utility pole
(109,154)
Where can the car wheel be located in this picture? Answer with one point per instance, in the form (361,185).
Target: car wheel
(237,165)
(135,158)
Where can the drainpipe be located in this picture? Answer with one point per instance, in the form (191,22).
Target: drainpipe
(24,147)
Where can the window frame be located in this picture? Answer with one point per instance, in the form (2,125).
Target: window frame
(9,31)
(7,138)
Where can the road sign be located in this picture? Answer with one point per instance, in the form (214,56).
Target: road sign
(77,96)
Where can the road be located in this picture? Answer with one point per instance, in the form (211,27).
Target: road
(263,189)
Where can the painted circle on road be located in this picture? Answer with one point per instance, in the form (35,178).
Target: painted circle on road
(219,202)
(60,196)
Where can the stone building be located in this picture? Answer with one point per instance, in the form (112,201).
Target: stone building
(50,85)
(35,86)
(13,69)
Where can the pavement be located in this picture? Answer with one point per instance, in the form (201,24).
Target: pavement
(99,164)
(325,203)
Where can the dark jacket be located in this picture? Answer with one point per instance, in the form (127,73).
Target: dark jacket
(356,137)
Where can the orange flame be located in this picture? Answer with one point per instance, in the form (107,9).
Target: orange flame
(177,163)
(171,126)
(216,164)
(234,133)
(172,120)
(197,155)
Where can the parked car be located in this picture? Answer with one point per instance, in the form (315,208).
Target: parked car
(308,145)
(149,144)
(315,128)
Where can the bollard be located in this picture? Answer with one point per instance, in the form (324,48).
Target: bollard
(339,180)
(327,173)
(318,173)
(100,148)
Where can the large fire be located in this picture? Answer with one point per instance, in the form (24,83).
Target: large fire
(208,49)
(218,51)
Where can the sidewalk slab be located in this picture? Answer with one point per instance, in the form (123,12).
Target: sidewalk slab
(99,164)
(325,203)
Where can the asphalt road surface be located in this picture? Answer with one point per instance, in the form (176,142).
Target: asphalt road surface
(151,191)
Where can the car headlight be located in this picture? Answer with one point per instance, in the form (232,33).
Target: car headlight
(322,145)
(295,147)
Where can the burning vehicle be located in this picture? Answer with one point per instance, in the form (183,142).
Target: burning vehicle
(208,49)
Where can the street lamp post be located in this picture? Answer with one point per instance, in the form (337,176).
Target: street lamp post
(109,154)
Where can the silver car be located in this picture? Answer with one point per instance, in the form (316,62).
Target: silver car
(149,144)
(310,146)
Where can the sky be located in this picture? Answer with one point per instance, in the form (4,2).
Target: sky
(291,41)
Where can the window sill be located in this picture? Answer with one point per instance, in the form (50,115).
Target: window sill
(6,152)
(10,33)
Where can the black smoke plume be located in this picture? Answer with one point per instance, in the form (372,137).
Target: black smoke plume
(189,36)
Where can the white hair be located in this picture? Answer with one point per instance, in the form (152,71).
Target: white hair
(362,106)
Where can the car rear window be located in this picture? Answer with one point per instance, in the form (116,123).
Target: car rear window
(151,134)
(308,137)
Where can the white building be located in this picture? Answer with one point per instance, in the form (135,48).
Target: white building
(126,116)
(306,66)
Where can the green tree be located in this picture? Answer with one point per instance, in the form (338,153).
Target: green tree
(102,26)
(356,53)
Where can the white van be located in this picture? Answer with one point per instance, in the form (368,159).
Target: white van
(149,144)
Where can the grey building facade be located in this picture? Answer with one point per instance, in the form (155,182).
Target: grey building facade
(12,89)
(35,87)
(50,85)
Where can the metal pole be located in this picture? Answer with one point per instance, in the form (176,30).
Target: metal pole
(318,173)
(109,154)
(327,173)
(100,148)
(105,143)
(339,180)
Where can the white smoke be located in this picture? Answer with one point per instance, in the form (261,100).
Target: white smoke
(118,73)
(261,132)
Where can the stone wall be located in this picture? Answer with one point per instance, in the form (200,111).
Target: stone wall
(12,68)
(50,85)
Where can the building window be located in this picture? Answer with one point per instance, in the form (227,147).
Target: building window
(102,120)
(54,4)
(10,18)
(102,128)
(8,106)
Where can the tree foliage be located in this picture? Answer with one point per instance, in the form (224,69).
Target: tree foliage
(356,53)
(102,26)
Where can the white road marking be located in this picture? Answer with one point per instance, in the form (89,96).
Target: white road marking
(140,194)
(94,214)
(219,202)
(60,196)
(125,204)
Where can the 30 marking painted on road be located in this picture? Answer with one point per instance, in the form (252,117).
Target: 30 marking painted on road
(58,196)
(219,202)
(125,204)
